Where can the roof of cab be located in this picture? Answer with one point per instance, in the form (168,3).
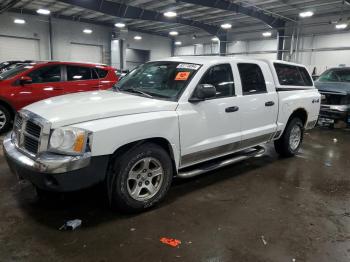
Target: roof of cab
(223,59)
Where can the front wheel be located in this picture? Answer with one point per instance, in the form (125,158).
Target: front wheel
(5,119)
(139,178)
(289,143)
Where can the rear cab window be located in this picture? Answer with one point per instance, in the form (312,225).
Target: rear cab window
(291,75)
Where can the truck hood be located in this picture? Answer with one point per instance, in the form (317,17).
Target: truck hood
(333,87)
(87,106)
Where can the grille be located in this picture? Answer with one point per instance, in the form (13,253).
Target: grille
(28,134)
(18,122)
(33,129)
(334,99)
(31,144)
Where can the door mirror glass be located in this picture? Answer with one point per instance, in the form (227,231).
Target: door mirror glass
(203,92)
(25,80)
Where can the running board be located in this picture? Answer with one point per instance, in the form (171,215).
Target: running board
(207,167)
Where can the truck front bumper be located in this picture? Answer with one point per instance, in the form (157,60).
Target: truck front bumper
(335,112)
(55,172)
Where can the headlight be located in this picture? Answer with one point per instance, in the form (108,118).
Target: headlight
(70,140)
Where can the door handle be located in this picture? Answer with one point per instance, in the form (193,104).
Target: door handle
(52,88)
(270,103)
(231,109)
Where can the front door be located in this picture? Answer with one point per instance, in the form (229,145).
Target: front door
(46,83)
(211,128)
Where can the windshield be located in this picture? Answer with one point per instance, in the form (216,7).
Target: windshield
(15,71)
(335,75)
(158,79)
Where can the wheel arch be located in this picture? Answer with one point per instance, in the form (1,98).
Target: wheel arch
(160,141)
(8,106)
(301,113)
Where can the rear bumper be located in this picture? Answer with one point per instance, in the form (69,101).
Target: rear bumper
(56,172)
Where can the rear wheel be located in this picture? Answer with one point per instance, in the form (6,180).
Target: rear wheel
(140,178)
(5,119)
(289,143)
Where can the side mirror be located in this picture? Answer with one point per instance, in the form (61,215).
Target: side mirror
(25,80)
(203,92)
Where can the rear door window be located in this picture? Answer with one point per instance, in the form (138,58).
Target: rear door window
(290,75)
(46,74)
(76,73)
(252,78)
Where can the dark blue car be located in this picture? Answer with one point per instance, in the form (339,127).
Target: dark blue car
(334,86)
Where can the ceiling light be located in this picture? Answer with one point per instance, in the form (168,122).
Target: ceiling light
(19,21)
(306,14)
(215,39)
(341,26)
(119,25)
(267,34)
(137,37)
(170,14)
(173,33)
(178,43)
(226,26)
(43,11)
(87,31)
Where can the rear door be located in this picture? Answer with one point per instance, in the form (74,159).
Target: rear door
(80,79)
(46,83)
(259,103)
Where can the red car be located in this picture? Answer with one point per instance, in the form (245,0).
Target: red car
(29,83)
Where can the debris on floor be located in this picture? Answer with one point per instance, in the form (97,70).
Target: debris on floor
(132,229)
(71,224)
(170,241)
(335,140)
(263,240)
(328,164)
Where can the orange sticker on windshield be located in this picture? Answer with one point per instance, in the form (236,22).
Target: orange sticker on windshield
(182,76)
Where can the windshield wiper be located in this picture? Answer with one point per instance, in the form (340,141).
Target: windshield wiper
(137,91)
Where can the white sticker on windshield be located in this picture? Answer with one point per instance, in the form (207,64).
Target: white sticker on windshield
(188,66)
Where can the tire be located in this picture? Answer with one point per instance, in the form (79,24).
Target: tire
(284,145)
(139,178)
(5,119)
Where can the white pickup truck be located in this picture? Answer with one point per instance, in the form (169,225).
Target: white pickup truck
(176,117)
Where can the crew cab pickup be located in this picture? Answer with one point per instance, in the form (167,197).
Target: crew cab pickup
(177,117)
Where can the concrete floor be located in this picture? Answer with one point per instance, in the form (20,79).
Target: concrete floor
(265,209)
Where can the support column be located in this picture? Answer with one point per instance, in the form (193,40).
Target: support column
(118,53)
(172,47)
(280,43)
(223,44)
(50,38)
